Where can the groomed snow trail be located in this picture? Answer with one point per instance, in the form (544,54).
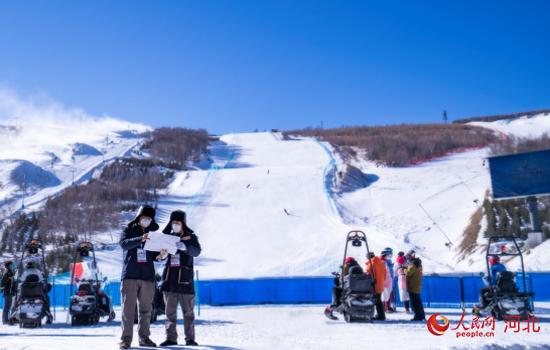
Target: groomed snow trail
(240,217)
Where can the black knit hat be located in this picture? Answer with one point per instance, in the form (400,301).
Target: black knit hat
(8,264)
(148,211)
(177,215)
(401,253)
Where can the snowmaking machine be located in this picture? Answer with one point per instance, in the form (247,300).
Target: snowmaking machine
(32,303)
(89,303)
(504,298)
(357,301)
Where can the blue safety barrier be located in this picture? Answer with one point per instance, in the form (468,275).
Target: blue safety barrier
(437,291)
(212,168)
(325,171)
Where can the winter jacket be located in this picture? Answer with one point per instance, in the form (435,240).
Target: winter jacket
(350,262)
(130,241)
(388,282)
(414,276)
(380,271)
(391,266)
(401,277)
(496,268)
(180,279)
(8,284)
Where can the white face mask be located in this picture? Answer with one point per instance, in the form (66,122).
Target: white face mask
(176,227)
(145,222)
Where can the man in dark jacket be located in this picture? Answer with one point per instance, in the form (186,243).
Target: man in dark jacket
(177,280)
(414,285)
(8,290)
(337,288)
(138,277)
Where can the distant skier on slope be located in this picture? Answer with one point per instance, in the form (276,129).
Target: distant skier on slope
(286,212)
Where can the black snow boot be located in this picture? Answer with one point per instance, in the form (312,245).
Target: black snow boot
(329,315)
(407,307)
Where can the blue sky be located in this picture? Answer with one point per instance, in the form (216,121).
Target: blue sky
(234,66)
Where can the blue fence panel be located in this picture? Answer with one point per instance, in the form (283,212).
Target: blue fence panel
(519,283)
(263,290)
(443,292)
(283,291)
(472,285)
(204,292)
(437,291)
(541,286)
(322,290)
(112,289)
(302,290)
(231,292)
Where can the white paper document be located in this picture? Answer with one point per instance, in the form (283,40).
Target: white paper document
(158,241)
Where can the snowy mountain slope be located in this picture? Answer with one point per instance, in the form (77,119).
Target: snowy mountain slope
(246,232)
(523,127)
(400,201)
(237,196)
(50,155)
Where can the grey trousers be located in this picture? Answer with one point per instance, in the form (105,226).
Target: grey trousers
(187,302)
(142,292)
(7,306)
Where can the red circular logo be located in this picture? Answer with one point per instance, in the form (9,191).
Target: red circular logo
(435,328)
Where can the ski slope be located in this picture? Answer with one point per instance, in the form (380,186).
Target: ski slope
(237,195)
(237,208)
(240,217)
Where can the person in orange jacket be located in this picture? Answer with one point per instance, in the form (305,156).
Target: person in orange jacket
(379,270)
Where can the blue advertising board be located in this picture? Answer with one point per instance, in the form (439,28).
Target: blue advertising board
(520,175)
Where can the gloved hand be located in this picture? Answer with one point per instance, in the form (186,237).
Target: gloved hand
(181,246)
(162,255)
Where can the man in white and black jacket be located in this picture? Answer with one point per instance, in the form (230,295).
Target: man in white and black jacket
(177,280)
(138,277)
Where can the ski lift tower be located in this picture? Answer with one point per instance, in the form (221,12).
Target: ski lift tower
(73,170)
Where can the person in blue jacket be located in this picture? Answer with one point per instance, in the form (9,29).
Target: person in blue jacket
(138,277)
(496,267)
(177,280)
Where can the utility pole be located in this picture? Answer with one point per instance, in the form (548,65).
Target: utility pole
(72,171)
(24,190)
(533,213)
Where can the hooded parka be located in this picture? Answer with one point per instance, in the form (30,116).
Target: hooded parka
(180,279)
(130,241)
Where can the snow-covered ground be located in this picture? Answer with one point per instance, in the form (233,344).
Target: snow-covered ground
(525,126)
(287,328)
